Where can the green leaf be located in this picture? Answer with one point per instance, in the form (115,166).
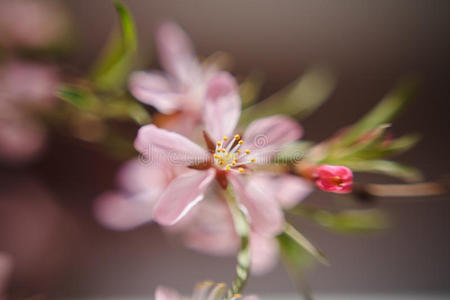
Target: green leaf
(352,221)
(251,88)
(399,145)
(367,143)
(298,100)
(126,109)
(385,167)
(301,241)
(78,96)
(116,60)
(384,112)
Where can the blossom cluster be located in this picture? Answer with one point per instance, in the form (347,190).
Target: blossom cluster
(202,166)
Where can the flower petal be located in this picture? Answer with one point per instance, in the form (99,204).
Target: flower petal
(160,146)
(155,89)
(222,106)
(264,137)
(119,211)
(134,176)
(263,253)
(289,190)
(181,195)
(163,293)
(266,216)
(212,230)
(176,53)
(292,190)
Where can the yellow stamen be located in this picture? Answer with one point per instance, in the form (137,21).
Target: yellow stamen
(247,151)
(252,160)
(233,163)
(223,150)
(237,137)
(241,142)
(217,156)
(241,170)
(219,143)
(225,138)
(228,168)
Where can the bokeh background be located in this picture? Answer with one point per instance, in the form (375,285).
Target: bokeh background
(60,250)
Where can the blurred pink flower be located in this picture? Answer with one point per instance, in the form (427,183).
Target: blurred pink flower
(20,139)
(225,161)
(6,266)
(182,89)
(24,88)
(203,291)
(211,229)
(32,227)
(337,179)
(132,205)
(31,23)
(28,84)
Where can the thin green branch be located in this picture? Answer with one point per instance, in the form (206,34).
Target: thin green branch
(243,258)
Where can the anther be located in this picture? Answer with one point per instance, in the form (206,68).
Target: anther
(252,160)
(219,143)
(225,138)
(241,170)
(247,151)
(241,142)
(228,168)
(237,137)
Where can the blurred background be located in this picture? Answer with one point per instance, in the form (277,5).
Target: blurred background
(59,250)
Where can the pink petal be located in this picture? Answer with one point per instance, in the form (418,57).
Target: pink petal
(289,190)
(292,190)
(177,53)
(264,137)
(222,106)
(252,297)
(181,195)
(135,176)
(263,253)
(266,216)
(119,211)
(212,230)
(20,140)
(154,89)
(337,179)
(163,293)
(164,147)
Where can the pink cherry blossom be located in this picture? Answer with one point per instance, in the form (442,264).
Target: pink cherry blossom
(211,229)
(336,179)
(203,291)
(31,23)
(184,85)
(229,161)
(28,84)
(24,88)
(130,206)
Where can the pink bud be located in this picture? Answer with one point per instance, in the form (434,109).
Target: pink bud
(337,179)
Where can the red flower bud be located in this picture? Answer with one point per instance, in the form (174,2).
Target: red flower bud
(336,179)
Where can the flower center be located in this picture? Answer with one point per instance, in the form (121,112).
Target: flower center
(229,157)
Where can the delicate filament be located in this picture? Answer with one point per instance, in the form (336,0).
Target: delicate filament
(228,156)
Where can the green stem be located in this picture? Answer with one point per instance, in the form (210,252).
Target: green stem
(243,258)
